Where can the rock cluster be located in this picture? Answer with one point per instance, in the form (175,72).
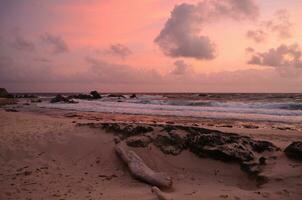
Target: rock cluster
(91,96)
(61,99)
(173,139)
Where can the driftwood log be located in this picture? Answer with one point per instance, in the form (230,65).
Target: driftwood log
(159,194)
(140,170)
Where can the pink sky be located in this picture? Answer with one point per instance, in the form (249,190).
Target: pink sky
(151,46)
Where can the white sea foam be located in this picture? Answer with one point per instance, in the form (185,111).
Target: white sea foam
(289,112)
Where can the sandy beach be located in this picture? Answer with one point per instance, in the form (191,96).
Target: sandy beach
(52,154)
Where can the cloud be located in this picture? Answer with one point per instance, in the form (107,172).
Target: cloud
(279,25)
(249,50)
(56,43)
(181,35)
(282,56)
(257,35)
(118,50)
(105,72)
(181,68)
(22,44)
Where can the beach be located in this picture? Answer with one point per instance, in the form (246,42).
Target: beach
(51,153)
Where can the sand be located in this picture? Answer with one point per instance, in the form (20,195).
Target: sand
(44,155)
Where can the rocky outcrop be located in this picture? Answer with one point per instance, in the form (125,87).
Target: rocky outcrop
(294,150)
(4,93)
(95,95)
(126,130)
(61,99)
(138,141)
(92,96)
(133,96)
(173,139)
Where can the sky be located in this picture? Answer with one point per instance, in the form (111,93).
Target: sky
(151,45)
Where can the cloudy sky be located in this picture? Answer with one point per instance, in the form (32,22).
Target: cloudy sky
(151,45)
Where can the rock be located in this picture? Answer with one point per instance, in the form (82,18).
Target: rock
(250,126)
(227,147)
(252,168)
(126,130)
(95,95)
(36,101)
(294,150)
(26,96)
(170,143)
(4,93)
(132,96)
(11,110)
(59,98)
(138,141)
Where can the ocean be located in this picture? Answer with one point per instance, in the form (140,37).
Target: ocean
(238,106)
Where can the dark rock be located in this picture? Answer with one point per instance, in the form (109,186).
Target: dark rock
(60,98)
(126,130)
(170,143)
(11,110)
(4,93)
(138,141)
(261,146)
(294,150)
(250,126)
(25,96)
(95,95)
(36,101)
(226,147)
(252,168)
(168,128)
(132,96)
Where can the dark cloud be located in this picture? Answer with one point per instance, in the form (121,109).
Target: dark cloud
(118,50)
(56,43)
(181,68)
(283,56)
(257,35)
(181,36)
(279,25)
(21,43)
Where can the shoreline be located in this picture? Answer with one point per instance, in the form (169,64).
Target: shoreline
(45,150)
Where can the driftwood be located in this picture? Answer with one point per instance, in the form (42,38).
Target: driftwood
(160,195)
(140,170)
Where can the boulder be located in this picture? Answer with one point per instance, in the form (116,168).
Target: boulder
(4,93)
(95,95)
(294,150)
(132,96)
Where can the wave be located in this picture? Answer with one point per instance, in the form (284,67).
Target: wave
(265,111)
